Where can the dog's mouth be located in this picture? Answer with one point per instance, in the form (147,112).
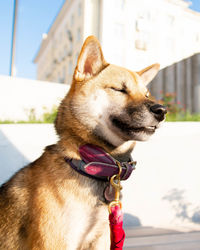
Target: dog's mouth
(146,129)
(133,130)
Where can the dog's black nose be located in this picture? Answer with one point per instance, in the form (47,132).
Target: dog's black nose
(159,111)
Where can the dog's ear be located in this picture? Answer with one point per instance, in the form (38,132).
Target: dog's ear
(90,61)
(149,73)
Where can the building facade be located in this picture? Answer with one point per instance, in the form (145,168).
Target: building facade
(133,34)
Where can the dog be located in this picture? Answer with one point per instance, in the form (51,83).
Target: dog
(48,204)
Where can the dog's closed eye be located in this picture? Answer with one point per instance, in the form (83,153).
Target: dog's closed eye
(123,90)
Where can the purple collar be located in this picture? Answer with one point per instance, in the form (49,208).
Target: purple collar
(98,164)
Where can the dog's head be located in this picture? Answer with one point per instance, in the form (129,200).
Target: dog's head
(108,101)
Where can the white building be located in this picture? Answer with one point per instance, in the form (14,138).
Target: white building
(133,33)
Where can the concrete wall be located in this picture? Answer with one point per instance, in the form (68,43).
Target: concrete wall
(18,96)
(162,192)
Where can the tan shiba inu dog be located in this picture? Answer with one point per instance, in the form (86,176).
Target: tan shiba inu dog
(48,205)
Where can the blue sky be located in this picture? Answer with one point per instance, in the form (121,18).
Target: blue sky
(34,19)
(195,5)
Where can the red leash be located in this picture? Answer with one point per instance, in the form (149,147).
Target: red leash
(117,233)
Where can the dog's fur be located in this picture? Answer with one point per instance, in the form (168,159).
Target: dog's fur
(48,205)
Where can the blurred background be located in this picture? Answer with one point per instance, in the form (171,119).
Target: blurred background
(49,34)
(39,46)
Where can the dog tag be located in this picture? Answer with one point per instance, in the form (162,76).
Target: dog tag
(109,193)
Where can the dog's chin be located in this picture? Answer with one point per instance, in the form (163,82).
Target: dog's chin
(140,135)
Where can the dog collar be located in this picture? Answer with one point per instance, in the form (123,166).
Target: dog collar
(98,164)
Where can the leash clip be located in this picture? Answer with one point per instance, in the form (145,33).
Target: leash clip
(115,183)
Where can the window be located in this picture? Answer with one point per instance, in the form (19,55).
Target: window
(72,20)
(63,75)
(119,30)
(65,51)
(119,4)
(54,43)
(78,34)
(79,9)
(70,67)
(58,77)
(59,59)
(170,20)
(198,38)
(141,24)
(70,50)
(61,36)
(69,35)
(142,41)
(63,71)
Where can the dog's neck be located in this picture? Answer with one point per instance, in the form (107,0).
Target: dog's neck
(123,152)
(70,144)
